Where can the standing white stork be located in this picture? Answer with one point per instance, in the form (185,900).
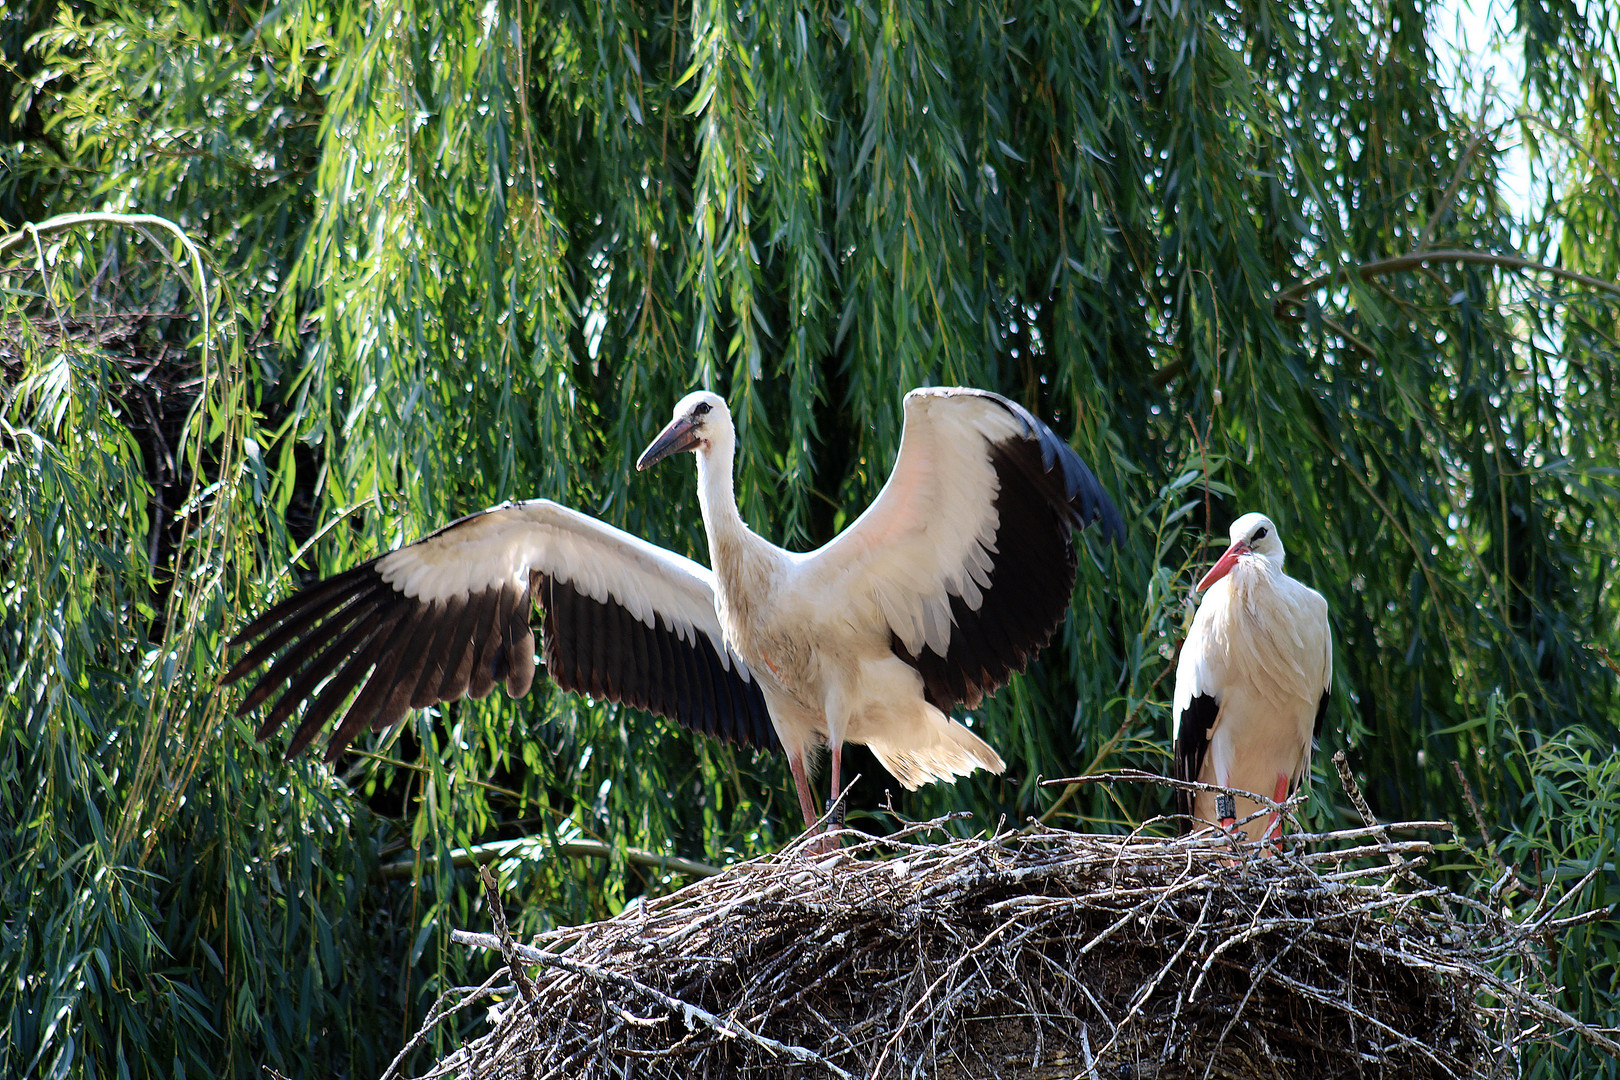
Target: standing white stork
(1252,682)
(945,586)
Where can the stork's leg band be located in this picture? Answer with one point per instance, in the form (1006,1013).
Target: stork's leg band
(1226,808)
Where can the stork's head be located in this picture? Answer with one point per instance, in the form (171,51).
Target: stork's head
(1252,534)
(701,420)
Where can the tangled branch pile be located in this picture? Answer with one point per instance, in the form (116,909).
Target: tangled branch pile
(1030,954)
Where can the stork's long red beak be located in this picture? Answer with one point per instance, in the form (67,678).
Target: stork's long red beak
(676,436)
(1223,566)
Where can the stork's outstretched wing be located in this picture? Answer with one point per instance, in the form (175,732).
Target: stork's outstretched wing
(968,551)
(448,616)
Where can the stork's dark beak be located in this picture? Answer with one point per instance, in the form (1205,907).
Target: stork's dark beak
(677,436)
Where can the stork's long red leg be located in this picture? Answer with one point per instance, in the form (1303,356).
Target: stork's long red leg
(1225,807)
(837,784)
(1274,829)
(801,780)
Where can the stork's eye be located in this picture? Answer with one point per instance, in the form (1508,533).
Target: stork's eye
(701,408)
(1260,535)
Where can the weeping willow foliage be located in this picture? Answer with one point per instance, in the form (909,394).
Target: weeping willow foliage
(350,270)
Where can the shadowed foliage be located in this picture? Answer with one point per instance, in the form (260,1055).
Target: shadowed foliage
(351,271)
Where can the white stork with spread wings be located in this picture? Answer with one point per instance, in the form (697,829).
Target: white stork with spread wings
(1252,682)
(939,592)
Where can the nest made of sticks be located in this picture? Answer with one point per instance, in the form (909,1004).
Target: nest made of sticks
(1037,953)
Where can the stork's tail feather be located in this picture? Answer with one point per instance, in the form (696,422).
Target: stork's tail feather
(937,748)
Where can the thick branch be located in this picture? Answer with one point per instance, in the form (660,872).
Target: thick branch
(482,854)
(1401,263)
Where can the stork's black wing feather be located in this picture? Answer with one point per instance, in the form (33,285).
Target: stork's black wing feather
(1044,494)
(1192,743)
(598,648)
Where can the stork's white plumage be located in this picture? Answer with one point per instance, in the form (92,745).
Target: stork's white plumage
(1253,679)
(951,579)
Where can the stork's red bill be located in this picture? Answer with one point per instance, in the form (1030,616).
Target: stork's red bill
(948,583)
(1253,678)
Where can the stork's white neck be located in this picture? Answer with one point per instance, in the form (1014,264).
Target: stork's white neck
(716,493)
(729,536)
(1254,572)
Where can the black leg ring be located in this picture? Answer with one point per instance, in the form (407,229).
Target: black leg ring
(1225,807)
